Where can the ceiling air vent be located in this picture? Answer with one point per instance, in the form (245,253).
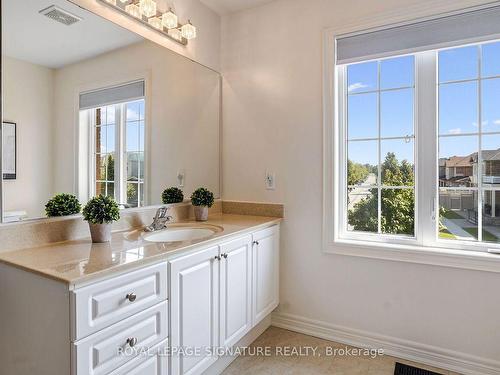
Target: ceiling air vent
(60,15)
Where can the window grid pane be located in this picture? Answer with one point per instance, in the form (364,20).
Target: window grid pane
(134,153)
(380,163)
(469,165)
(104,151)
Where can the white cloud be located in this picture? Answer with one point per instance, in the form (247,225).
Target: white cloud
(356,86)
(455,131)
(497,122)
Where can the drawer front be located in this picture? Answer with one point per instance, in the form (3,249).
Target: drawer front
(110,348)
(154,363)
(102,304)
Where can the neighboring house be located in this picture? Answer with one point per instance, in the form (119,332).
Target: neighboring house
(462,171)
(491,168)
(455,171)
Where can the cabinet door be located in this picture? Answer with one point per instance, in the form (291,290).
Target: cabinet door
(235,290)
(265,254)
(194,298)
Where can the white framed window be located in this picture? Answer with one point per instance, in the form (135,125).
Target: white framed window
(112,145)
(412,138)
(378,159)
(378,174)
(117,139)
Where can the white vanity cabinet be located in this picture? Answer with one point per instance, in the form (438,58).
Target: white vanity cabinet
(218,295)
(265,260)
(194,298)
(112,318)
(169,317)
(235,290)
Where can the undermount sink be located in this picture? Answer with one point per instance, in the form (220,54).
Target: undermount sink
(182,232)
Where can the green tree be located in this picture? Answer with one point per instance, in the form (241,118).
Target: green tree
(356,173)
(398,205)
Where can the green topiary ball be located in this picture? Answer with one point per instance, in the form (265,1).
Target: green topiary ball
(101,210)
(202,197)
(172,195)
(62,205)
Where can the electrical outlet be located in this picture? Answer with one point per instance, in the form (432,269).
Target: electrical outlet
(270,180)
(181,177)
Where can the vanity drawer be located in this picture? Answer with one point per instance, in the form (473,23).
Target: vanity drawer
(107,350)
(155,363)
(104,303)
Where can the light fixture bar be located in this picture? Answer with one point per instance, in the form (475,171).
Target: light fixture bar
(155,22)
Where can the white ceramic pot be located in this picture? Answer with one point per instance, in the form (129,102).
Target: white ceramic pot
(100,232)
(201,213)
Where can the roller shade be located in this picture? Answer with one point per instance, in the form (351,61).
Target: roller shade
(112,95)
(444,31)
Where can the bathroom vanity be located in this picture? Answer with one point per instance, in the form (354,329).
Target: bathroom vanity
(134,306)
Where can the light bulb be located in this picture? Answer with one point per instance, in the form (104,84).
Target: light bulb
(133,10)
(155,22)
(175,33)
(188,31)
(113,2)
(169,19)
(147,7)
(124,1)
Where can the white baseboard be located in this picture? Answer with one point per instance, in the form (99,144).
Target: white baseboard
(404,349)
(224,361)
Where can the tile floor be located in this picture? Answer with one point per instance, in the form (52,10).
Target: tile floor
(311,365)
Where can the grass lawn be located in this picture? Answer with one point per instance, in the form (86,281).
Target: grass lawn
(452,215)
(487,236)
(445,233)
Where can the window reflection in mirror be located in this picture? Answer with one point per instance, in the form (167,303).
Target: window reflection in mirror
(130,146)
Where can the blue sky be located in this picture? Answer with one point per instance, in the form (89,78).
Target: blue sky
(458,112)
(134,129)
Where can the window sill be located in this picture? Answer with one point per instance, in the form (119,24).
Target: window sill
(463,259)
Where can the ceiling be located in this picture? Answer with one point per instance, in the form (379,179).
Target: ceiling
(32,37)
(231,6)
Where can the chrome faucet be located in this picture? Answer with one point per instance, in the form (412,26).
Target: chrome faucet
(160,220)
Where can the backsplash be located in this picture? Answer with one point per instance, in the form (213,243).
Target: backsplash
(34,233)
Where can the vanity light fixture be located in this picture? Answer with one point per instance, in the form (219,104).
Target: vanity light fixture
(169,19)
(188,31)
(133,10)
(155,22)
(147,8)
(175,34)
(147,13)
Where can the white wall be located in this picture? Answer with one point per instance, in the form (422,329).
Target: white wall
(182,120)
(28,101)
(272,93)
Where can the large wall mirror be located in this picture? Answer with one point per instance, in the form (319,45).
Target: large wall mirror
(92,108)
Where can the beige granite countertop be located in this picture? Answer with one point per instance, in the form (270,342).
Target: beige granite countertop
(80,261)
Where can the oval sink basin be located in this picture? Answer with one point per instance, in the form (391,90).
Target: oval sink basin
(176,233)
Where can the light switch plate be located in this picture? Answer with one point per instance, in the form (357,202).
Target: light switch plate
(181,177)
(270,180)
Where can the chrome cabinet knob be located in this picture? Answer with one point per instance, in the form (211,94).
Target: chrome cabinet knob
(132,341)
(255,242)
(131,297)
(224,255)
(217,257)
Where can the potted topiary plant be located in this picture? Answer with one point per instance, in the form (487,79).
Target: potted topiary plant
(172,195)
(62,205)
(202,199)
(100,212)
